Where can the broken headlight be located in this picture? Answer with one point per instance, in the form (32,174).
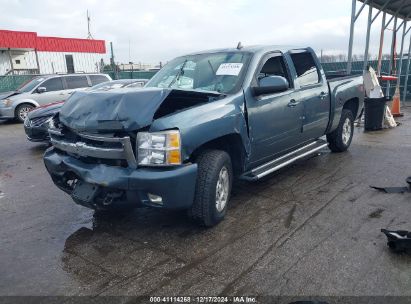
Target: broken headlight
(159,148)
(53,122)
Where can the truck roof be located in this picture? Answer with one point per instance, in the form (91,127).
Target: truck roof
(253,49)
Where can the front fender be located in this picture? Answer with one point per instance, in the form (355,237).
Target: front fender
(207,122)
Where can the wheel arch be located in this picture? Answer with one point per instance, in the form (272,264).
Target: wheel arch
(230,143)
(23,102)
(352,105)
(26,100)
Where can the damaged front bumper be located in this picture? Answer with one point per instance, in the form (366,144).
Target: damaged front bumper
(94,185)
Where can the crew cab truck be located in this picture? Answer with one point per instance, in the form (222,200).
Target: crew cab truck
(199,123)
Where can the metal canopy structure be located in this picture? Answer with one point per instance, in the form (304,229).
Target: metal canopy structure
(400,11)
(399,8)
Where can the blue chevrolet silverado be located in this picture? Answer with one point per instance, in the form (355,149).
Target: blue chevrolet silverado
(202,121)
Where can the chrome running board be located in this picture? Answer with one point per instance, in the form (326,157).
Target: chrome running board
(281,162)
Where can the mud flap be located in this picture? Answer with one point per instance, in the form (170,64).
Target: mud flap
(84,193)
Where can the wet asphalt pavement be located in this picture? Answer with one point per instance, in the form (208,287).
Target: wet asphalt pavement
(310,229)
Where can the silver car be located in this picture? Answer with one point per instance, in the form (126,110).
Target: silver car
(43,90)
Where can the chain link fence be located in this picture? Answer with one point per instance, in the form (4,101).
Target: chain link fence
(129,74)
(357,68)
(12,82)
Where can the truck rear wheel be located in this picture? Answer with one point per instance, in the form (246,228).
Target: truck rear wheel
(213,187)
(340,139)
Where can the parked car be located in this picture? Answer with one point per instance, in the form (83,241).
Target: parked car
(43,90)
(120,83)
(37,121)
(201,121)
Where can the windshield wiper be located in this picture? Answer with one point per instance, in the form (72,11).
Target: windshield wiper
(179,74)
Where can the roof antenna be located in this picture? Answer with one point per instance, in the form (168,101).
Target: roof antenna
(239,46)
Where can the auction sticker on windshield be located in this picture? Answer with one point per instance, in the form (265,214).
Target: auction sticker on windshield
(229,69)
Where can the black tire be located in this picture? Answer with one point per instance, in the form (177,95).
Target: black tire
(22,110)
(210,165)
(338,141)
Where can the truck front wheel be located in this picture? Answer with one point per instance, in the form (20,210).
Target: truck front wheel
(340,139)
(213,187)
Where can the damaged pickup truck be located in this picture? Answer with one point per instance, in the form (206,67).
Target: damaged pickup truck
(199,123)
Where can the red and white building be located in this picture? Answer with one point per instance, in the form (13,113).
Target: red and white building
(28,53)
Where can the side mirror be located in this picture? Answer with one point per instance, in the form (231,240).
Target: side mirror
(41,90)
(271,84)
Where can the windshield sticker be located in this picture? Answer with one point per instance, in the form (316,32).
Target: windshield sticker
(229,69)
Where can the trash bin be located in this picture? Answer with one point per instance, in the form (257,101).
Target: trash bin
(374,109)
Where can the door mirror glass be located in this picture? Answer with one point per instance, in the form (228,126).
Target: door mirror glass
(271,84)
(41,90)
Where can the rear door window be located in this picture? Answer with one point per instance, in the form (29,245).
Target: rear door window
(96,79)
(53,84)
(75,82)
(307,71)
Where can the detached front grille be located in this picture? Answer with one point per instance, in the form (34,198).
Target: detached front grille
(84,145)
(38,121)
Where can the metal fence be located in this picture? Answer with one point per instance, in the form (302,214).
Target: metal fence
(12,82)
(357,68)
(130,74)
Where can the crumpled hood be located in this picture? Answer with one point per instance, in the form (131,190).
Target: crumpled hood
(125,109)
(112,110)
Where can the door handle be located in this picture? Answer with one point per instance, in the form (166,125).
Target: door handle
(293,103)
(323,95)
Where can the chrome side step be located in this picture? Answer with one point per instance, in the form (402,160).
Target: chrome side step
(284,160)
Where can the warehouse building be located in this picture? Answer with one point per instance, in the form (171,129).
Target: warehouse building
(27,53)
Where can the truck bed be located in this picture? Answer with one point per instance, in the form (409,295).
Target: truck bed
(335,76)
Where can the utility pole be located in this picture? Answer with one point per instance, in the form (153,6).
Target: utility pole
(112,54)
(350,43)
(89,36)
(112,62)
(129,50)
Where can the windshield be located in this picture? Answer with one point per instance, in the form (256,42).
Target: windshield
(28,86)
(220,72)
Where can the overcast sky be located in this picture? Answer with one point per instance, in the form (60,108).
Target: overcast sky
(159,30)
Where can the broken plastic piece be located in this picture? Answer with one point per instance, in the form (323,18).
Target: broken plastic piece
(395,189)
(392,189)
(399,241)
